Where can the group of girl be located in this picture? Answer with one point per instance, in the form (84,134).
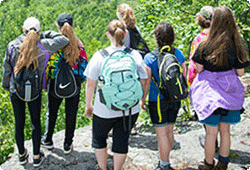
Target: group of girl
(217,57)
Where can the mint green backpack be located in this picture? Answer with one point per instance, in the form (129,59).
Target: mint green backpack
(121,88)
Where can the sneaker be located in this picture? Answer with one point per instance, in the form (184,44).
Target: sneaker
(49,145)
(203,165)
(160,167)
(39,161)
(24,159)
(221,165)
(67,148)
(98,168)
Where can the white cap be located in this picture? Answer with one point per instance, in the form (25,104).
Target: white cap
(30,23)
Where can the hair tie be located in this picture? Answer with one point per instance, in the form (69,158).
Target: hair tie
(32,30)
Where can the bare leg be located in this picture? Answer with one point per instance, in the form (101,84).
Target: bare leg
(119,160)
(225,140)
(211,135)
(165,141)
(101,156)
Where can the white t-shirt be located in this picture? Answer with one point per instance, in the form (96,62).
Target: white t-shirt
(93,71)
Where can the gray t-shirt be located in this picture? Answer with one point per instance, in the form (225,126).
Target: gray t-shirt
(93,71)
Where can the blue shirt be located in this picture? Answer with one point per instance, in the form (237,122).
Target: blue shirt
(152,62)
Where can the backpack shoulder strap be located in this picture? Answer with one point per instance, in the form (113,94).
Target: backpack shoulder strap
(156,53)
(128,50)
(104,53)
(11,52)
(172,51)
(47,56)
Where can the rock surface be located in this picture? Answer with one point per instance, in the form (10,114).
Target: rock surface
(143,152)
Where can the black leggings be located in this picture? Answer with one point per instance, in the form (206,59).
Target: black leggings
(71,108)
(19,112)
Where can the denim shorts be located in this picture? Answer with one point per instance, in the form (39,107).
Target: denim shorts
(232,117)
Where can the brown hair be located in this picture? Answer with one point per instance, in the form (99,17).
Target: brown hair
(72,50)
(127,14)
(28,52)
(164,34)
(203,22)
(223,32)
(117,30)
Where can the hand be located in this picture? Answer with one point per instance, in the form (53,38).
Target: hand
(89,111)
(143,104)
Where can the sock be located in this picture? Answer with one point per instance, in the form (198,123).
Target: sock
(224,159)
(164,163)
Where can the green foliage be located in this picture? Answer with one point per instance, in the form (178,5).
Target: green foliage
(181,14)
(90,21)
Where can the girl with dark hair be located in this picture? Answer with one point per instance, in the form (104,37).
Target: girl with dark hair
(104,118)
(217,94)
(29,49)
(75,56)
(163,121)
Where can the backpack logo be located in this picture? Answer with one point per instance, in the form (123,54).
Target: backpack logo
(172,85)
(27,84)
(65,81)
(121,88)
(63,86)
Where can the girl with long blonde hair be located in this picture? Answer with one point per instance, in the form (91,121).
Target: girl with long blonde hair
(29,50)
(75,55)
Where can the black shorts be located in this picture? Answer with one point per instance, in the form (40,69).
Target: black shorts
(168,115)
(101,128)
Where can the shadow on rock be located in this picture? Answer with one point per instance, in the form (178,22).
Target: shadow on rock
(148,142)
(239,157)
(57,160)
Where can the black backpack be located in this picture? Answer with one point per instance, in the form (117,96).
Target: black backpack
(65,81)
(27,84)
(27,81)
(137,42)
(172,85)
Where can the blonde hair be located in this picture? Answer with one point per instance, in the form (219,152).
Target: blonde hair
(28,52)
(117,30)
(127,14)
(72,50)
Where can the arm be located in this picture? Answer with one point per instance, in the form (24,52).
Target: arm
(199,68)
(7,71)
(53,41)
(184,68)
(181,59)
(90,88)
(145,86)
(240,72)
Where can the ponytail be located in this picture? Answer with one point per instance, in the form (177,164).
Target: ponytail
(127,14)
(117,30)
(72,50)
(129,19)
(119,36)
(28,52)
